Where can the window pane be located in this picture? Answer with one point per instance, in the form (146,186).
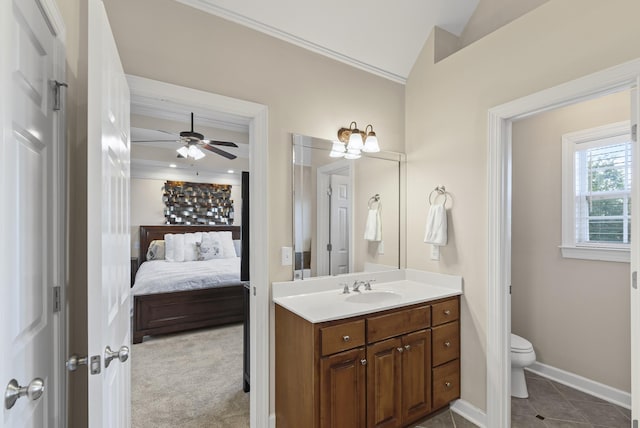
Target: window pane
(606,207)
(607,168)
(606,230)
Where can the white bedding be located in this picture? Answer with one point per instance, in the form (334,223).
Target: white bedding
(160,276)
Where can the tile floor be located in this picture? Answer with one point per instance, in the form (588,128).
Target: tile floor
(550,405)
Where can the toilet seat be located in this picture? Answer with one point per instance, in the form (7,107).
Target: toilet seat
(520,345)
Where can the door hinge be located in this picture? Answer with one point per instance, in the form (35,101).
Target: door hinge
(329,247)
(510,287)
(57,104)
(57,298)
(634,280)
(634,132)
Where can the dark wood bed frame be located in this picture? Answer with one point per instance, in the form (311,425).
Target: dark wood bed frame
(184,310)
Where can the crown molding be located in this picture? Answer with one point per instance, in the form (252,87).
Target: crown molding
(207,6)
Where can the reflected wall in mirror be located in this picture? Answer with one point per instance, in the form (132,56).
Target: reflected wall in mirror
(334,204)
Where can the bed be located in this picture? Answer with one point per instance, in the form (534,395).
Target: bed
(219,301)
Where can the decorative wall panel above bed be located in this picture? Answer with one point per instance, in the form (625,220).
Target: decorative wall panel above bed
(197,203)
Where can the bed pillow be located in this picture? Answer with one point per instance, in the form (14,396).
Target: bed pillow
(174,247)
(190,249)
(238,246)
(156,250)
(209,248)
(226,239)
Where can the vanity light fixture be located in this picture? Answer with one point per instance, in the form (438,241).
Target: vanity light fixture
(354,141)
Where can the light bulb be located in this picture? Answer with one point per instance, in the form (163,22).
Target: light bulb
(183,151)
(371,144)
(337,150)
(355,141)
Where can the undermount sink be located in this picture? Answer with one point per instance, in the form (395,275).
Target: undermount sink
(374,296)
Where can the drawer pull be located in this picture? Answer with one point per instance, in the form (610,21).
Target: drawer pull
(447,344)
(400,350)
(346,338)
(447,384)
(363,362)
(447,312)
(407,347)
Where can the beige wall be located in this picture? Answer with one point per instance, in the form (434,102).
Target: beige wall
(554,300)
(446,133)
(306,93)
(147,206)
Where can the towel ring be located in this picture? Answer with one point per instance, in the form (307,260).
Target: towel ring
(439,190)
(372,200)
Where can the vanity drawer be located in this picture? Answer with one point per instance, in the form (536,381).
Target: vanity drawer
(397,323)
(445,343)
(446,384)
(342,337)
(446,311)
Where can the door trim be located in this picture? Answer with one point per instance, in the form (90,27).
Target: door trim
(257,115)
(614,79)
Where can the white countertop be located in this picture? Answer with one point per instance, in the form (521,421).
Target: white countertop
(329,303)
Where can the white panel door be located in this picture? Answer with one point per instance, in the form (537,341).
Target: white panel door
(340,202)
(635,263)
(108,246)
(30,251)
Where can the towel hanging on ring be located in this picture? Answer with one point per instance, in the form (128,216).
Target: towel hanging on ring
(373,226)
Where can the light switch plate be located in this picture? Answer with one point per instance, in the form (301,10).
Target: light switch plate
(287,256)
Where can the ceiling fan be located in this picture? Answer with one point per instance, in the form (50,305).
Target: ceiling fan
(193,141)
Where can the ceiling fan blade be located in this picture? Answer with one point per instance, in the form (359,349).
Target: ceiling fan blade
(167,132)
(220,143)
(219,152)
(154,141)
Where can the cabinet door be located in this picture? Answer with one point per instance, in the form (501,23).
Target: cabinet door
(384,376)
(342,390)
(416,375)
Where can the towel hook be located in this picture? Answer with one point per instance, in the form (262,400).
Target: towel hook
(372,200)
(440,190)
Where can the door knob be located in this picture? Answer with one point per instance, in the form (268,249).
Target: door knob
(14,391)
(75,361)
(122,354)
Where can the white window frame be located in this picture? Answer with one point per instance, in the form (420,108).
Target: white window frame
(572,142)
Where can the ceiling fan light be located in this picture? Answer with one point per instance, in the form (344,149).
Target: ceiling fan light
(183,151)
(195,152)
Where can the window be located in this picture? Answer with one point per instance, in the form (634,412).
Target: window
(596,193)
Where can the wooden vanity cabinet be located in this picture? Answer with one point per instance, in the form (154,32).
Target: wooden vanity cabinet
(373,371)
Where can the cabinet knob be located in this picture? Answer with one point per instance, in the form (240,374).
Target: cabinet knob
(400,350)
(407,347)
(363,362)
(346,338)
(447,311)
(447,344)
(447,384)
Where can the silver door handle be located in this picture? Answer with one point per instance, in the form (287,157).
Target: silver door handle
(75,361)
(14,391)
(122,354)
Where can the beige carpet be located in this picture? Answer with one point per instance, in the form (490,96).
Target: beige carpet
(190,380)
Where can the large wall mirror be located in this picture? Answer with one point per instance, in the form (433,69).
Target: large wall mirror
(347,213)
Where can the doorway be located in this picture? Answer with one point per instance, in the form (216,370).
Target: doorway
(256,117)
(571,181)
(501,118)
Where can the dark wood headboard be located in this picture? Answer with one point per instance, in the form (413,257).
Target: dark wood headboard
(150,233)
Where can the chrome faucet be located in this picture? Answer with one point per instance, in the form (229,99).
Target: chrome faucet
(357,283)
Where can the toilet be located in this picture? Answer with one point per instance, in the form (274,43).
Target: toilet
(522,355)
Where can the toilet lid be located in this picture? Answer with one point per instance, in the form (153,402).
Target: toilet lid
(520,344)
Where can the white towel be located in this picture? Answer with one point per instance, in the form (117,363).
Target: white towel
(373,227)
(436,229)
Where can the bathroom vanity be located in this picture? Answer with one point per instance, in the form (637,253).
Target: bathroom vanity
(392,360)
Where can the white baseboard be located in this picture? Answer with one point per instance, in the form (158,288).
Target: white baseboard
(272,420)
(469,412)
(591,387)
